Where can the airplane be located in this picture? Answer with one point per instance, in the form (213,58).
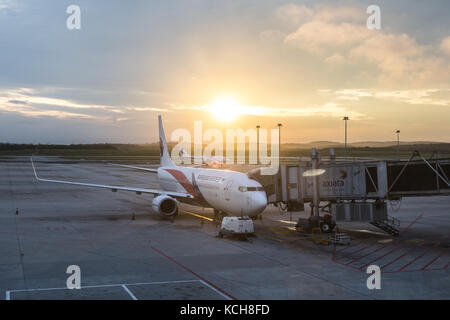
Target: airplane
(212,161)
(226,191)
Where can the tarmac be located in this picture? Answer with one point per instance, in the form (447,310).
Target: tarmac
(150,257)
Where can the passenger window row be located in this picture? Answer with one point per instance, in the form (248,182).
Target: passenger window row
(245,189)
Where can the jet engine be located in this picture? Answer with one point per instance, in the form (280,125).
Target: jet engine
(165,205)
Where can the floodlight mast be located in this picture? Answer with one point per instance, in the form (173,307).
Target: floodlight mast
(345,149)
(257,144)
(279,142)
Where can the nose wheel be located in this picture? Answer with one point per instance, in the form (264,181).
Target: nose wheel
(219,215)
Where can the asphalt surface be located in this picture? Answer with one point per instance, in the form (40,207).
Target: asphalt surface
(151,258)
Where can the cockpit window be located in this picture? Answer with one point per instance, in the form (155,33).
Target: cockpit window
(245,189)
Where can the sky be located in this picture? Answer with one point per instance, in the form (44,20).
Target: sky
(228,63)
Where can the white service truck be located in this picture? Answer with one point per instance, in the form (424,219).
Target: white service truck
(236,226)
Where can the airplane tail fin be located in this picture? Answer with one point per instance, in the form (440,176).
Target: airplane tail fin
(164,152)
(184,153)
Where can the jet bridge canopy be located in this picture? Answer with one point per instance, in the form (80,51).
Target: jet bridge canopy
(358,180)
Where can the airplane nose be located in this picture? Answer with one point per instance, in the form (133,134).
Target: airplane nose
(259,202)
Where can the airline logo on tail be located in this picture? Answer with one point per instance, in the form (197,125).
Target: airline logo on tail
(161,147)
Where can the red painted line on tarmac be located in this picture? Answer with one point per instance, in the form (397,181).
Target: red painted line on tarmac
(361,249)
(382,256)
(349,254)
(356,268)
(354,260)
(351,246)
(415,220)
(194,273)
(372,252)
(399,257)
(417,258)
(432,261)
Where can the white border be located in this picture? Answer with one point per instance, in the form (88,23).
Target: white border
(123,285)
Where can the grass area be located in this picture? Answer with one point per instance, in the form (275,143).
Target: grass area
(150,152)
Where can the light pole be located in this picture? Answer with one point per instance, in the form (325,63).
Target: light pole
(345,150)
(257,144)
(279,141)
(398,142)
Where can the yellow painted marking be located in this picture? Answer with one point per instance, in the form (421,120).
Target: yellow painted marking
(198,216)
(290,222)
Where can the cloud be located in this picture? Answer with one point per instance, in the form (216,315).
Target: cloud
(10,5)
(336,59)
(17,102)
(436,97)
(445,46)
(35,103)
(272,34)
(299,14)
(294,14)
(30,103)
(148,109)
(326,110)
(319,36)
(338,34)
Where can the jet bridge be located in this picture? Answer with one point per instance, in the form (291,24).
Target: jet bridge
(356,190)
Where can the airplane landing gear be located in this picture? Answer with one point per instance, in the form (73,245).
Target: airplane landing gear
(219,215)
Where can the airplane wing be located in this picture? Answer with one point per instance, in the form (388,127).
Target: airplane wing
(133,167)
(115,188)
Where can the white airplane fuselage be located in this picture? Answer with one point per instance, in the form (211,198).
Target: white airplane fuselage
(228,191)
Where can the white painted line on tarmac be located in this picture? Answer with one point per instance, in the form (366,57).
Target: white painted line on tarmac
(215,290)
(129,292)
(123,285)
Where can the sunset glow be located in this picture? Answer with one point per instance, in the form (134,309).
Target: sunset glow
(225,109)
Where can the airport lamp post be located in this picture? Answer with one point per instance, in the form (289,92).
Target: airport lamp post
(257,144)
(315,162)
(279,142)
(398,142)
(345,149)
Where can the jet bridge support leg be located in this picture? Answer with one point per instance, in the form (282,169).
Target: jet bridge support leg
(316,221)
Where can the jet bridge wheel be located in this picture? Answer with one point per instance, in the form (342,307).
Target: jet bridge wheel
(326,223)
(325,227)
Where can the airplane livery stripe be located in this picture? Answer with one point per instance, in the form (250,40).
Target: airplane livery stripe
(183,180)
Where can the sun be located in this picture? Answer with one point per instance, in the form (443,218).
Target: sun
(225,109)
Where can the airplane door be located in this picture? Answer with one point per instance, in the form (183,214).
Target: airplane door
(226,189)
